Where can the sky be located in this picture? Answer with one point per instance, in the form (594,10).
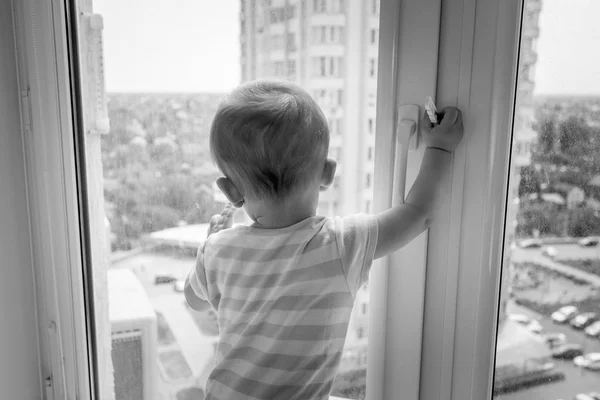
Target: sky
(193,46)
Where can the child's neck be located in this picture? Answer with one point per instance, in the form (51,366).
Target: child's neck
(273,215)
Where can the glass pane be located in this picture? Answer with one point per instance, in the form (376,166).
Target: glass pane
(167,66)
(548,344)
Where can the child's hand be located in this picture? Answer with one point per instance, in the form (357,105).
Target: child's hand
(448,134)
(218,222)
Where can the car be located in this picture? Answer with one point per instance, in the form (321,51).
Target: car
(588,361)
(554,339)
(520,318)
(534,326)
(567,351)
(530,243)
(583,396)
(593,330)
(550,252)
(531,324)
(589,242)
(162,279)
(583,320)
(594,395)
(564,314)
(179,286)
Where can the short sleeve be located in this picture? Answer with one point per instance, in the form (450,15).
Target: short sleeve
(197,276)
(356,236)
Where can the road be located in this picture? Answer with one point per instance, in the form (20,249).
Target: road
(565,251)
(577,380)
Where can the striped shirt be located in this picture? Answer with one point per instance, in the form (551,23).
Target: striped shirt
(283,299)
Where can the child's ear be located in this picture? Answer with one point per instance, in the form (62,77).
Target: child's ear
(328,173)
(230,191)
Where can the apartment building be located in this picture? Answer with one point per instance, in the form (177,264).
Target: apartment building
(524,137)
(329,47)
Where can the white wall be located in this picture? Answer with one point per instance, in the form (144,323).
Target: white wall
(19,357)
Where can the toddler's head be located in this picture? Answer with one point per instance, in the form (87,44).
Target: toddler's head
(270,139)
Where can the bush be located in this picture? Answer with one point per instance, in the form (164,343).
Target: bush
(351,384)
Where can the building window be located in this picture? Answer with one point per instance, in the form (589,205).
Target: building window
(368,181)
(291,68)
(375,7)
(290,12)
(370,154)
(373,36)
(363,306)
(327,67)
(370,126)
(291,42)
(320,6)
(372,67)
(340,97)
(360,332)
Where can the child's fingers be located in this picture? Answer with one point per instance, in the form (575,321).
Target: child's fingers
(228,218)
(450,116)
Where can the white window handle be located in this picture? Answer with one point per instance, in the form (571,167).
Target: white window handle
(406,138)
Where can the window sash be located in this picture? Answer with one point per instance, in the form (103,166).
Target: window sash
(409,30)
(465,250)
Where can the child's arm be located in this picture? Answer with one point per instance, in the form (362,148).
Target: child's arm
(217,222)
(401,224)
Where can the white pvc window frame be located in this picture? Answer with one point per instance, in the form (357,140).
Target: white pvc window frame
(432,331)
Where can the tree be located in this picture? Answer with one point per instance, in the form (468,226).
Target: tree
(583,222)
(530,182)
(539,216)
(574,136)
(546,129)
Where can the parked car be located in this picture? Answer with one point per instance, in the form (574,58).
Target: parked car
(594,395)
(530,243)
(555,339)
(583,396)
(550,251)
(179,285)
(531,324)
(564,314)
(520,318)
(589,242)
(584,320)
(534,326)
(593,329)
(567,351)
(161,279)
(588,361)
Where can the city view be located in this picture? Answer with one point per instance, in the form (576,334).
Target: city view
(159,192)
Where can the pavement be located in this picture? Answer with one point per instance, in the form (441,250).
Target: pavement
(565,251)
(197,349)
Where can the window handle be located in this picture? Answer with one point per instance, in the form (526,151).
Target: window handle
(406,139)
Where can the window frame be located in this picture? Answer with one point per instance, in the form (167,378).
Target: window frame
(460,331)
(463,286)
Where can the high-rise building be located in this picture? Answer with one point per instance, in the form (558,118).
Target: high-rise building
(524,137)
(329,47)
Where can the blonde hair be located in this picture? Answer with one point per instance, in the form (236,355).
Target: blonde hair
(270,138)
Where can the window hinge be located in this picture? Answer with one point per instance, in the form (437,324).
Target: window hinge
(26,110)
(48,388)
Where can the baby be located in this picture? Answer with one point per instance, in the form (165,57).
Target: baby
(284,287)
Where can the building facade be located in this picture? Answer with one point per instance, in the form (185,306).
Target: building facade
(524,136)
(329,47)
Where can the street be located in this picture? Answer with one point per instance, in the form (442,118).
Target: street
(577,380)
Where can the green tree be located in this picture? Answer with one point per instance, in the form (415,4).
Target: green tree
(583,222)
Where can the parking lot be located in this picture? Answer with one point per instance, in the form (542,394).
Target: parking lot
(577,380)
